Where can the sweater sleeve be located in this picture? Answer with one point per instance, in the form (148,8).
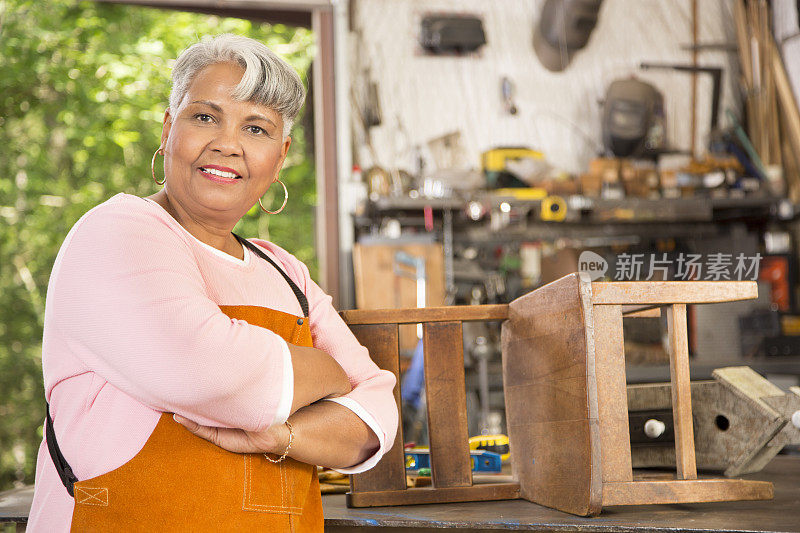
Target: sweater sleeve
(127,298)
(372,397)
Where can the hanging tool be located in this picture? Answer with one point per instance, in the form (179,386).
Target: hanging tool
(507,92)
(634,124)
(482,352)
(716,89)
(564,28)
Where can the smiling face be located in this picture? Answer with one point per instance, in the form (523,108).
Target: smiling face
(220,154)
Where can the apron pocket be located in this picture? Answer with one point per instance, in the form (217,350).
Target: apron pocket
(275,488)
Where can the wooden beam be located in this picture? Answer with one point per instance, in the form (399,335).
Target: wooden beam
(270,16)
(273,11)
(669,292)
(463,313)
(641,311)
(612,395)
(681,391)
(686,491)
(327,219)
(475,493)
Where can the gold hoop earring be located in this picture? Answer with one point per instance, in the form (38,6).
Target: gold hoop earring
(153,166)
(285,199)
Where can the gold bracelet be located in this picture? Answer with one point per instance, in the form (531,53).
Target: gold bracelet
(286,451)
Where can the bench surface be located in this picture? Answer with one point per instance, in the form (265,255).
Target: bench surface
(780,514)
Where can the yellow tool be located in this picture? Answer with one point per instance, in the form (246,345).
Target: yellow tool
(491,443)
(495,166)
(495,160)
(522,193)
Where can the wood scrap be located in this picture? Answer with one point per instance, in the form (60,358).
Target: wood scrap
(773,119)
(741,422)
(789,112)
(332,482)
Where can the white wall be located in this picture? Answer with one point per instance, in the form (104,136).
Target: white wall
(786,24)
(559,113)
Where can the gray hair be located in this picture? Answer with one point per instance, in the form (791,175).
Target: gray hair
(268,80)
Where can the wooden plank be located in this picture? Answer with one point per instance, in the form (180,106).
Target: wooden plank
(551,396)
(463,313)
(641,311)
(475,493)
(681,391)
(748,383)
(772,122)
(791,162)
(669,292)
(730,430)
(768,428)
(378,286)
(743,42)
(282,8)
(390,472)
(612,397)
(446,397)
(790,113)
(685,491)
(693,125)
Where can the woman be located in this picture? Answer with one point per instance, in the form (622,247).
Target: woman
(155,307)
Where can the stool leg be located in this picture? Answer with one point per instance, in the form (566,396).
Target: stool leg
(681,391)
(612,393)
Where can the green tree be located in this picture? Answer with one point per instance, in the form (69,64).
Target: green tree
(82,96)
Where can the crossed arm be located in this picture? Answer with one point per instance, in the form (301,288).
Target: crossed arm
(163,340)
(325,433)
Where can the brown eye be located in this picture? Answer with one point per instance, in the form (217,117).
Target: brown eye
(256,130)
(204,117)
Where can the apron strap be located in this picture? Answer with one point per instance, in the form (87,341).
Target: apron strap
(301,297)
(68,478)
(62,467)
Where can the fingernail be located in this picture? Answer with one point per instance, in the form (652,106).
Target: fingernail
(177,418)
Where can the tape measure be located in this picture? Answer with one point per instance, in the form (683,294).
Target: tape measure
(553,208)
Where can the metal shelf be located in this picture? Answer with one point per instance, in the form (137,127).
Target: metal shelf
(702,370)
(584,210)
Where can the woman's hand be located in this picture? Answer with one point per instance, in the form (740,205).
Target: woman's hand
(272,440)
(325,434)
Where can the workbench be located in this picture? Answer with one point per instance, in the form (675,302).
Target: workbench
(779,515)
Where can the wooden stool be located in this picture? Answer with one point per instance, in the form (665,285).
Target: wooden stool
(566,398)
(451,465)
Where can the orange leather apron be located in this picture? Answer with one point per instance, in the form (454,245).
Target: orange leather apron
(180,482)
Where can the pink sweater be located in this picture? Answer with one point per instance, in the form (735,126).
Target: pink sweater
(133,329)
